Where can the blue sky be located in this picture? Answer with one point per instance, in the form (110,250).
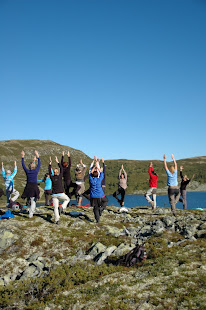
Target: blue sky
(119,79)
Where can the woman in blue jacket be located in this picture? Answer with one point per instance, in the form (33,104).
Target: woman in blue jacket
(47,187)
(98,200)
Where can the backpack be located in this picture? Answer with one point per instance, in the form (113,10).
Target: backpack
(134,256)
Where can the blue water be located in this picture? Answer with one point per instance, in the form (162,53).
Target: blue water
(194,200)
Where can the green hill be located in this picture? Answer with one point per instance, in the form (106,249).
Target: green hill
(136,169)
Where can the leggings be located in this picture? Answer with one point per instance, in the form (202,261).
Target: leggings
(120,191)
(98,204)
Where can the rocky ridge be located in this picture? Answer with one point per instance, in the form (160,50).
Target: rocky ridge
(33,249)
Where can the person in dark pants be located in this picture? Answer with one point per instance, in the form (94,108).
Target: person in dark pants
(122,186)
(31,190)
(172,183)
(98,200)
(185,181)
(47,187)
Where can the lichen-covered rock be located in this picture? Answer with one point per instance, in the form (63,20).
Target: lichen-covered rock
(7,238)
(102,256)
(96,249)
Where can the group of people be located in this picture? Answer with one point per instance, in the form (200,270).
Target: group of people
(58,184)
(174,192)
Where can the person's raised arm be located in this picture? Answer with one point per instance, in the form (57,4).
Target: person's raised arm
(50,169)
(104,168)
(39,162)
(150,169)
(165,163)
(181,175)
(62,159)
(15,170)
(69,159)
(2,168)
(22,161)
(175,164)
(60,166)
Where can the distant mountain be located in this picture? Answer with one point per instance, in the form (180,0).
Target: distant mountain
(136,169)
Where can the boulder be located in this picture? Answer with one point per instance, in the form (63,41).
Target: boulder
(102,256)
(122,249)
(96,249)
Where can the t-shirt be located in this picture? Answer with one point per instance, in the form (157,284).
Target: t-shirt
(172,178)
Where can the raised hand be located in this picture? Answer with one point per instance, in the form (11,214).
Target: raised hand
(102,159)
(151,164)
(62,153)
(50,160)
(181,168)
(15,163)
(36,153)
(68,154)
(2,164)
(56,159)
(164,156)
(22,154)
(81,162)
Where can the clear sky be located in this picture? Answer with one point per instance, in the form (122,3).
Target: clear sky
(113,78)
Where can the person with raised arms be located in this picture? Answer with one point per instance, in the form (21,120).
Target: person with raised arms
(152,187)
(8,177)
(31,190)
(98,200)
(172,183)
(185,181)
(57,190)
(47,187)
(80,181)
(121,188)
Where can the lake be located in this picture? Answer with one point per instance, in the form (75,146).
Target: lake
(194,200)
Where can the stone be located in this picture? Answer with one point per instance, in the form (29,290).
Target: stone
(96,249)
(201,234)
(30,272)
(122,249)
(7,238)
(114,231)
(104,255)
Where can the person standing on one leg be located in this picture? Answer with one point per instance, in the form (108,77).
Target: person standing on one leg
(57,190)
(185,181)
(152,187)
(9,183)
(172,183)
(97,197)
(80,174)
(122,186)
(31,190)
(66,173)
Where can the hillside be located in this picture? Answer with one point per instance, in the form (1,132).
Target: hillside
(73,265)
(136,169)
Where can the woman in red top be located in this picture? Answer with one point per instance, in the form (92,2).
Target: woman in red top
(152,187)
